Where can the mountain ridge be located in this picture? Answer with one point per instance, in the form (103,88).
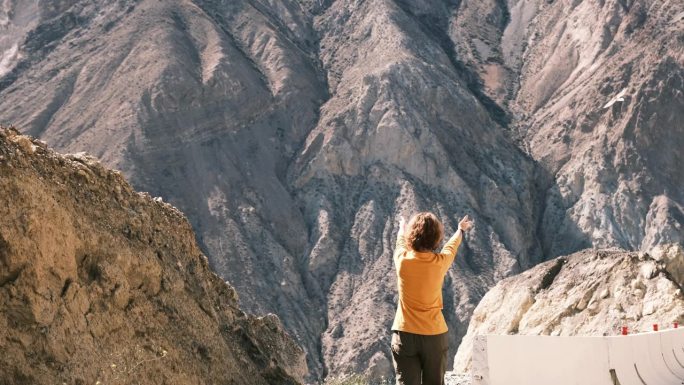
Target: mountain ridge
(293,133)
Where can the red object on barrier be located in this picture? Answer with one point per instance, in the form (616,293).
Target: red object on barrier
(655,327)
(676,324)
(624,330)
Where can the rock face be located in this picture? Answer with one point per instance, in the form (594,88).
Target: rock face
(587,293)
(293,133)
(100,284)
(596,90)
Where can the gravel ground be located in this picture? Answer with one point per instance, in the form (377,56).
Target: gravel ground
(457,379)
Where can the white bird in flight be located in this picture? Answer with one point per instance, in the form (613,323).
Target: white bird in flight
(618,98)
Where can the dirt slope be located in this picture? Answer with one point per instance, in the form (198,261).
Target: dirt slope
(101,284)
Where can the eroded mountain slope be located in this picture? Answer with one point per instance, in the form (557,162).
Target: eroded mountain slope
(293,134)
(596,89)
(202,103)
(101,284)
(402,132)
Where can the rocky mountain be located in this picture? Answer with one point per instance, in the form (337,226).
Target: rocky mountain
(293,133)
(586,293)
(595,91)
(101,284)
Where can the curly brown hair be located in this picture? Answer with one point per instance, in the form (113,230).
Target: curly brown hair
(425,232)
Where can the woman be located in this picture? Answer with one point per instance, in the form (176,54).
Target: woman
(419,332)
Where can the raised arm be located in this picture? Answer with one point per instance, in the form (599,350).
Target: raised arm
(449,250)
(400,246)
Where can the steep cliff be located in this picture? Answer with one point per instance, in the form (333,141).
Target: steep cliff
(101,284)
(292,133)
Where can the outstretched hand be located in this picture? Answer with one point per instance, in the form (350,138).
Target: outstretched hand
(402,223)
(465,224)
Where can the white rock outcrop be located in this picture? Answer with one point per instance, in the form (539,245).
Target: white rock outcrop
(592,292)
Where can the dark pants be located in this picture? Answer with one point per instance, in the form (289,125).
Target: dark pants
(419,359)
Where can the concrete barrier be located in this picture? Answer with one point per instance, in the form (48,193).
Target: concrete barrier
(654,358)
(677,341)
(621,359)
(668,343)
(649,359)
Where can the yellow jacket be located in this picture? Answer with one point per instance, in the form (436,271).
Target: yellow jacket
(419,280)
